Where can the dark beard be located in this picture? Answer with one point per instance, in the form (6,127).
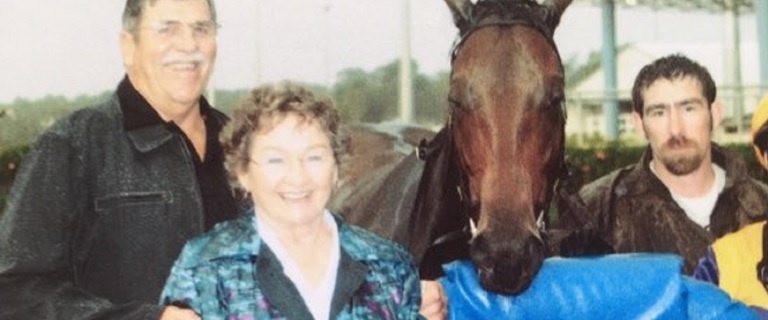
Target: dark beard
(683,165)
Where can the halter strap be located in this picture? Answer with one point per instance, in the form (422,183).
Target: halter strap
(504,13)
(491,13)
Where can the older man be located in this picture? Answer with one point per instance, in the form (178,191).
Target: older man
(107,197)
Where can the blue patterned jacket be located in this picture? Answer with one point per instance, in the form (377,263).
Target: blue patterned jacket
(228,274)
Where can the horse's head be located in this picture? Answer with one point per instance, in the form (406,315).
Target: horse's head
(507,119)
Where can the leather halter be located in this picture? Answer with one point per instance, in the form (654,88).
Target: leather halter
(500,13)
(486,13)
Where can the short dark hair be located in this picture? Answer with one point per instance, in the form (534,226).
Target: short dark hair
(672,67)
(135,8)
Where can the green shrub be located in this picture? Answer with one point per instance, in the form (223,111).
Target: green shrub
(9,164)
(589,163)
(585,163)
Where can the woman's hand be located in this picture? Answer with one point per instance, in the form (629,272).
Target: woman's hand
(176,313)
(434,303)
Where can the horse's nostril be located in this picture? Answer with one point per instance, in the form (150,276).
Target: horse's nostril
(507,268)
(480,251)
(535,247)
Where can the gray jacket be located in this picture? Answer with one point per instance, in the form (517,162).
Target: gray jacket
(633,211)
(96,217)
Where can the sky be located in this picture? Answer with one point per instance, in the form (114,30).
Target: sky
(71,47)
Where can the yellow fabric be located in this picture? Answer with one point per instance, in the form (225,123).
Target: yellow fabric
(737,256)
(759,118)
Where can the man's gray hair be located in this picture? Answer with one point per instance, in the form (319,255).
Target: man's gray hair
(135,8)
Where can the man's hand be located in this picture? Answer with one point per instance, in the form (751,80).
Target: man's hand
(176,313)
(434,303)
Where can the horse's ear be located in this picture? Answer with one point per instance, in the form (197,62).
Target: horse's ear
(554,10)
(460,9)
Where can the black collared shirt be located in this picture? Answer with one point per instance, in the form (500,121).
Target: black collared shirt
(218,201)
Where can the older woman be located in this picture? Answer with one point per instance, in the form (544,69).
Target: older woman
(290,257)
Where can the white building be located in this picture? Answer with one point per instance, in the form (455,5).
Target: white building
(586,117)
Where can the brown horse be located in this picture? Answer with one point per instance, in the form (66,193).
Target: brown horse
(494,166)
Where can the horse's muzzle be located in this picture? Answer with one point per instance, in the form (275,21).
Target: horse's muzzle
(509,266)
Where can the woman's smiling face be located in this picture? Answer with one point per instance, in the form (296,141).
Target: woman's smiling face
(292,171)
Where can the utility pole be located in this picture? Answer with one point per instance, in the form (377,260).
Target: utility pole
(761,17)
(733,62)
(257,52)
(326,46)
(406,86)
(610,102)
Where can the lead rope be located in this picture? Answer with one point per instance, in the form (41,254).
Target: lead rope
(762,265)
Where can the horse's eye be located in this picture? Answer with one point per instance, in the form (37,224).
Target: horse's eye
(558,100)
(453,103)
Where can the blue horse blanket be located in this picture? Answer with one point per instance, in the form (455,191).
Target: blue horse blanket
(618,286)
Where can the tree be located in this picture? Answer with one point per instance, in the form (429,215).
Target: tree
(431,98)
(373,97)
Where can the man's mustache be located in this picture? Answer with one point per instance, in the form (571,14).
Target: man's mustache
(678,141)
(194,58)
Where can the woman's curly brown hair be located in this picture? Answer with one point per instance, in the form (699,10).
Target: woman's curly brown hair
(262,108)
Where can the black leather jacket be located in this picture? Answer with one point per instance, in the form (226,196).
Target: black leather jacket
(633,211)
(96,217)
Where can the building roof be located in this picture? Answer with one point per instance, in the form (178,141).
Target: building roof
(704,5)
(630,59)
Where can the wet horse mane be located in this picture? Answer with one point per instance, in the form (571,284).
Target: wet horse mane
(438,204)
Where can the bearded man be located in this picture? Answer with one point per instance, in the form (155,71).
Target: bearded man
(686,190)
